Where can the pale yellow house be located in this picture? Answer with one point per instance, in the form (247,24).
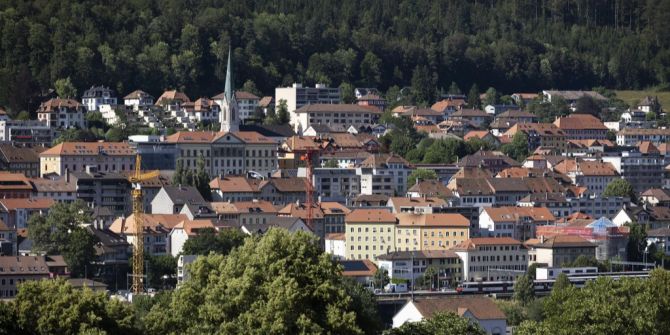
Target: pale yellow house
(77,156)
(439,231)
(369,233)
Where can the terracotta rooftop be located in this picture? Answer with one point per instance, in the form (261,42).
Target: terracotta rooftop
(563,241)
(370,216)
(479,306)
(472,243)
(154,223)
(586,168)
(13,204)
(433,220)
(90,149)
(580,122)
(513,214)
(137,94)
(171,96)
(55,103)
(431,188)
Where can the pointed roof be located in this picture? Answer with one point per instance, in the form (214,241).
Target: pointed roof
(229,75)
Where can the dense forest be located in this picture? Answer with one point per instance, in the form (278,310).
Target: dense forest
(514,45)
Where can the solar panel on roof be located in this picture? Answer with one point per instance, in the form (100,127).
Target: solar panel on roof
(354,266)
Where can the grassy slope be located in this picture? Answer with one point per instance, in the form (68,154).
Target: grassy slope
(631,96)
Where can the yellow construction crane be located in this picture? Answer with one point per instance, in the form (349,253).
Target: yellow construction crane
(138,210)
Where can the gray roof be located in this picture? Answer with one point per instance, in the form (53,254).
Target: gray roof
(181,195)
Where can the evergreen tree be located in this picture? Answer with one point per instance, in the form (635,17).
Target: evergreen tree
(473,97)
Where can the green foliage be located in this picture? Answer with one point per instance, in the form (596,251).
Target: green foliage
(209,241)
(65,89)
(420,174)
(331,163)
(23,116)
(60,233)
(637,242)
(381,278)
(445,151)
(607,306)
(619,188)
(476,144)
(439,324)
(115,135)
(473,97)
(549,111)
(54,307)
(491,98)
(279,116)
(281,283)
(159,267)
(514,311)
(518,148)
(524,292)
(250,86)
(587,105)
(198,178)
(562,283)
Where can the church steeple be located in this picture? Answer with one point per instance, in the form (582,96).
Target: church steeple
(229,75)
(228,116)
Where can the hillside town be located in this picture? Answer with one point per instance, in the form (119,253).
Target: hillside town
(436,197)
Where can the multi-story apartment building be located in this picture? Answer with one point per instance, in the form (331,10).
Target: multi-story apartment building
(334,184)
(558,250)
(384,174)
(297,96)
(633,136)
(15,270)
(369,233)
(97,96)
(345,115)
(643,167)
(232,153)
(202,110)
(26,133)
(540,135)
(14,185)
(489,258)
(108,190)
(62,113)
(408,265)
(20,160)
(439,231)
(16,212)
(59,189)
(582,127)
(518,223)
(593,175)
(157,228)
(77,156)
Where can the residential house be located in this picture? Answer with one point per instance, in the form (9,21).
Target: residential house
(62,113)
(593,175)
(157,228)
(16,212)
(171,199)
(439,231)
(14,185)
(661,238)
(138,99)
(656,197)
(429,188)
(171,101)
(384,174)
(336,245)
(77,156)
(483,135)
(423,205)
(544,135)
(493,161)
(59,189)
(477,308)
(523,99)
(290,224)
(266,103)
(370,200)
(582,127)
(15,270)
(8,240)
(475,117)
(369,233)
(411,265)
(254,213)
(448,106)
(96,96)
(362,271)
(500,109)
(30,133)
(490,258)
(235,188)
(20,160)
(518,223)
(632,136)
(372,100)
(183,231)
(559,250)
(203,110)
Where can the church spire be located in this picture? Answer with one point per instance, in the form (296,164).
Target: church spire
(229,74)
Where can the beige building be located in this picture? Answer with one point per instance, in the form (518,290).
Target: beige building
(369,233)
(76,156)
(558,250)
(492,259)
(346,115)
(62,113)
(430,231)
(297,96)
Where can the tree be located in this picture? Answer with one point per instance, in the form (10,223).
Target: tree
(65,89)
(518,148)
(55,307)
(161,270)
(562,283)
(587,105)
(420,174)
(347,94)
(280,283)
(115,135)
(381,278)
(371,69)
(61,233)
(473,97)
(491,97)
(23,116)
(201,179)
(439,324)
(637,242)
(454,89)
(365,305)
(250,86)
(619,188)
(429,276)
(209,241)
(524,291)
(282,113)
(423,86)
(331,163)
(476,144)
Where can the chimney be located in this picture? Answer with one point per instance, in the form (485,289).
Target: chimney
(541,238)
